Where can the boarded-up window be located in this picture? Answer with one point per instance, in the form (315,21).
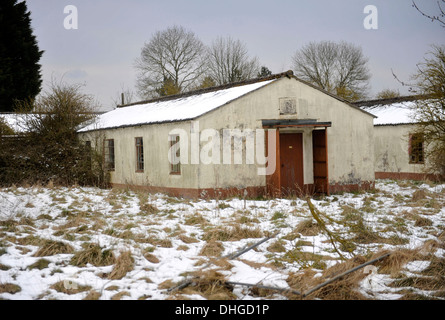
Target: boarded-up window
(288,106)
(416,151)
(109,155)
(139,155)
(175,154)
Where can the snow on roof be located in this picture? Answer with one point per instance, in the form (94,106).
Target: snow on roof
(14,121)
(182,108)
(392,114)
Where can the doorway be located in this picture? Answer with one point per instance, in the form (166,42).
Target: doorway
(320,158)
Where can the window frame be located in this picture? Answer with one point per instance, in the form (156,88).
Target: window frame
(175,148)
(110,155)
(139,144)
(416,150)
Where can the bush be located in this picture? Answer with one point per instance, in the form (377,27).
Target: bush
(48,149)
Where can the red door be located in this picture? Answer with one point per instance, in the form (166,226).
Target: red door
(291,162)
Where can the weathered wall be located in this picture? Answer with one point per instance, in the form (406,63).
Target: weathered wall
(156,150)
(392,151)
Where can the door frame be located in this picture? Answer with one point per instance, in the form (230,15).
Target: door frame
(321,161)
(273,181)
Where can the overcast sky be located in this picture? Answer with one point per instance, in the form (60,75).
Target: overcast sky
(111,34)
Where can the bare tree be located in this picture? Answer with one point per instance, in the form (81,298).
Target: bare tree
(48,148)
(388,94)
(228,61)
(339,68)
(429,113)
(174,54)
(441,15)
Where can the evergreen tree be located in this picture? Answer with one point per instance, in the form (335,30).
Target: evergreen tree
(20,77)
(168,88)
(207,82)
(265,72)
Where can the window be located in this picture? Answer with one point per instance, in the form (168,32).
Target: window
(109,155)
(175,154)
(88,150)
(416,152)
(139,155)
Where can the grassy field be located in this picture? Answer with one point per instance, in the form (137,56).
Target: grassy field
(87,243)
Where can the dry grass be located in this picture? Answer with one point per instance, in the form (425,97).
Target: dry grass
(9,288)
(9,225)
(75,222)
(120,295)
(232,233)
(51,248)
(419,194)
(39,264)
(71,288)
(164,243)
(212,248)
(93,295)
(277,246)
(167,284)
(422,222)
(151,257)
(308,228)
(187,239)
(211,285)
(431,279)
(302,281)
(148,208)
(124,264)
(343,288)
(397,260)
(196,219)
(93,254)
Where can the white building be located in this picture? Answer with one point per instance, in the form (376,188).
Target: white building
(399,150)
(276,135)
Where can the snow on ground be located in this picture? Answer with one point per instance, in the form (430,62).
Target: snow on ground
(171,240)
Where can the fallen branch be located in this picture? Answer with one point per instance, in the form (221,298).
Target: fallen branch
(260,286)
(332,237)
(243,251)
(186,283)
(313,289)
(344,274)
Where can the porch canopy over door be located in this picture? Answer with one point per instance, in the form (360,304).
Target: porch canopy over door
(278,183)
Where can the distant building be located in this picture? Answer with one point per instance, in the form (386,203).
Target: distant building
(399,151)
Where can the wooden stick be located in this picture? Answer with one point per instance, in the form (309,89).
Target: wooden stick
(263,287)
(344,274)
(243,251)
(186,283)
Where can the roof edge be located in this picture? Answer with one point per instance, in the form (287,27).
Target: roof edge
(288,74)
(349,103)
(387,101)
